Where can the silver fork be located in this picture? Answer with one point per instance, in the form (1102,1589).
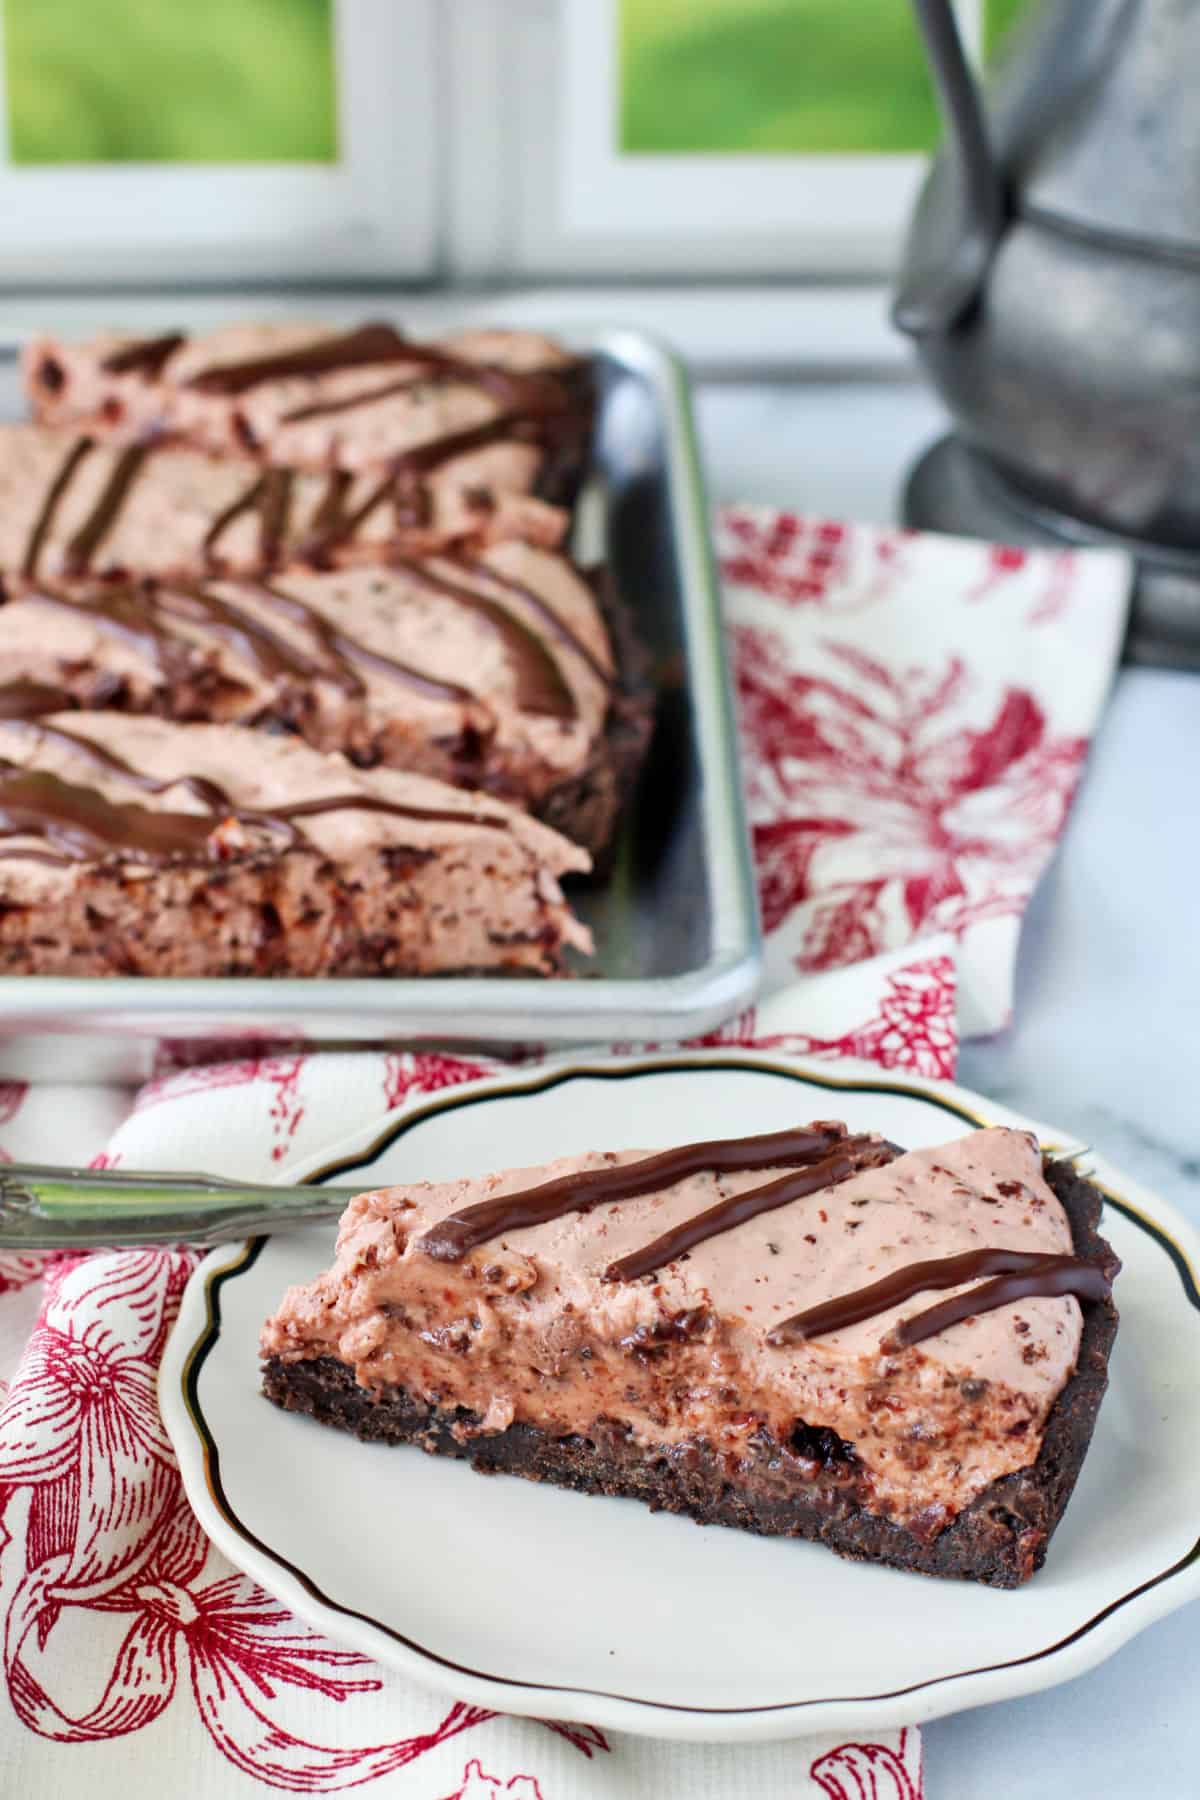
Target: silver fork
(47,1208)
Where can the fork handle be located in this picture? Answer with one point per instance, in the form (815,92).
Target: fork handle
(44,1208)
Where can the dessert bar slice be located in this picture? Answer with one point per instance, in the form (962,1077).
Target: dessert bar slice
(134,846)
(319,397)
(494,671)
(72,506)
(808,1333)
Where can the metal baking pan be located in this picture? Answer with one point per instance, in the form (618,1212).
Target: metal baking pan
(677,939)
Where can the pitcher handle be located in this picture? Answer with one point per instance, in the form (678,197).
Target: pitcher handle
(936,295)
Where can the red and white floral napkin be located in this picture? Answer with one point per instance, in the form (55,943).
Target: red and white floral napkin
(916,713)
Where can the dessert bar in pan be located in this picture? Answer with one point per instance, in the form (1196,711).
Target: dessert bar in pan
(74,506)
(505,670)
(137,846)
(320,397)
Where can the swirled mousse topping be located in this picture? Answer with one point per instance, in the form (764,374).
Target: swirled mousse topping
(497,1296)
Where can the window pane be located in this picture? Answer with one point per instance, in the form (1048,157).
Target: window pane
(176,81)
(998,18)
(772,75)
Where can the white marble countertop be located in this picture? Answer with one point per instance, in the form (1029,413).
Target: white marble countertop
(1103,1041)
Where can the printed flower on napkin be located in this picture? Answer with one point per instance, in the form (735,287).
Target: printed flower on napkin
(915,713)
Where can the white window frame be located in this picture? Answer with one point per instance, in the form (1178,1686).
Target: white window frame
(371,214)
(539,186)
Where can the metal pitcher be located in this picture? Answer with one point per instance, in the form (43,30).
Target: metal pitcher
(1052,284)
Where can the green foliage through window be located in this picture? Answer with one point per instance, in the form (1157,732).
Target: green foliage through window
(174,81)
(780,75)
(773,75)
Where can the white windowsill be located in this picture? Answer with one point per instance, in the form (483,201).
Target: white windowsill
(726,330)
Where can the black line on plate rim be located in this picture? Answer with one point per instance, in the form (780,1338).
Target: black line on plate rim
(251,1251)
(470,1095)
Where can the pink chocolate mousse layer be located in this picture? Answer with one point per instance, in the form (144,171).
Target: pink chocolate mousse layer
(73,507)
(527,1330)
(136,846)
(493,671)
(314,396)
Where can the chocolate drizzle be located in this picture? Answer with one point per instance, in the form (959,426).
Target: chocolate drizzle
(141,615)
(327,522)
(105,512)
(344,651)
(484,571)
(262,648)
(375,344)
(817,1157)
(1024,1274)
(210,794)
(269,495)
(452,1237)
(54,493)
(29,699)
(367,344)
(335,522)
(850,1158)
(1053,1277)
(540,684)
(320,409)
(144,613)
(273,509)
(146,357)
(81,822)
(425,458)
(371,343)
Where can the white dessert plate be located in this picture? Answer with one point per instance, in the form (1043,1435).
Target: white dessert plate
(534,1600)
